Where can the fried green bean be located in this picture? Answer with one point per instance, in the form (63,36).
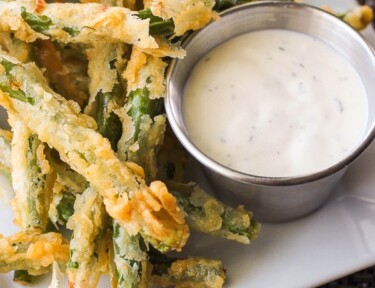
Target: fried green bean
(206,214)
(68,182)
(106,88)
(32,178)
(145,110)
(87,23)
(130,262)
(34,253)
(149,210)
(197,272)
(109,124)
(142,147)
(131,259)
(85,267)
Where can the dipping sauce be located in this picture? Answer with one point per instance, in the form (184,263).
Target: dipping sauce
(275,103)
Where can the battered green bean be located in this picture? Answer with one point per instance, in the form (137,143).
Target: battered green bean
(84,267)
(87,23)
(148,133)
(194,272)
(65,208)
(106,88)
(32,252)
(32,178)
(32,182)
(131,259)
(146,90)
(206,214)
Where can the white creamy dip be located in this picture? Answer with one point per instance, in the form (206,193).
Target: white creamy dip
(275,103)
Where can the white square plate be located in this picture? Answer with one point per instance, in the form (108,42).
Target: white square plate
(337,240)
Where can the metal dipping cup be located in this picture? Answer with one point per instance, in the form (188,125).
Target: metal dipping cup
(272,199)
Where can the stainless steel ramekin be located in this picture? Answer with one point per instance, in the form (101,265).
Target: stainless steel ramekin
(272,198)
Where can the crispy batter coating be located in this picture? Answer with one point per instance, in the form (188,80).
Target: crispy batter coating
(5,150)
(32,252)
(32,178)
(15,47)
(91,22)
(126,196)
(88,220)
(186,14)
(145,71)
(103,77)
(195,272)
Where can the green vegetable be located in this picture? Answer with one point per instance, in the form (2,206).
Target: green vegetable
(39,23)
(38,187)
(42,23)
(17,94)
(88,221)
(206,214)
(158,26)
(130,258)
(7,65)
(222,5)
(38,197)
(9,87)
(187,272)
(71,31)
(142,105)
(149,126)
(33,189)
(109,88)
(22,277)
(109,124)
(65,208)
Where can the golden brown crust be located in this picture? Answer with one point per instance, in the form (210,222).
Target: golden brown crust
(32,252)
(186,14)
(94,22)
(126,195)
(145,71)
